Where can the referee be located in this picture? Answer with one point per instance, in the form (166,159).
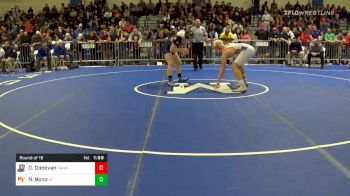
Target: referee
(199,36)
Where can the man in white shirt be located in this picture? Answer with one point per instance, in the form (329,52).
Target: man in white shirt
(267,19)
(199,36)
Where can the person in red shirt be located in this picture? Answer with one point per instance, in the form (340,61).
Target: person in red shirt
(346,40)
(305,39)
(305,36)
(105,45)
(28,27)
(128,27)
(246,35)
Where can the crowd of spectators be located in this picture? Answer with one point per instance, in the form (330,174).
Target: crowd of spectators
(100,21)
(120,20)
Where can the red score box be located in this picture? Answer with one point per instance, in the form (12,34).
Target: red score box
(101,167)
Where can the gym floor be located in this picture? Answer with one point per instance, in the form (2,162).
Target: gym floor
(288,135)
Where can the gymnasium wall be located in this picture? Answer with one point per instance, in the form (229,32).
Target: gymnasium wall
(6,5)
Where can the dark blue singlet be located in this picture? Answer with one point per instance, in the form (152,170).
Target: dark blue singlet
(166,45)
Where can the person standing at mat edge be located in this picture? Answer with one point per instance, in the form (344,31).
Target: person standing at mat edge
(170,49)
(243,53)
(199,36)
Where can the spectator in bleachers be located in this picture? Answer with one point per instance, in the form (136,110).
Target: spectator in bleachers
(346,42)
(290,32)
(344,13)
(59,34)
(256,7)
(93,13)
(330,43)
(113,33)
(339,45)
(3,34)
(228,21)
(339,36)
(147,35)
(2,59)
(279,22)
(24,38)
(78,44)
(135,35)
(150,7)
(128,27)
(60,53)
(47,37)
(227,36)
(274,7)
(329,36)
(262,33)
(236,26)
(43,55)
(316,50)
(105,47)
(123,36)
(46,11)
(297,6)
(324,25)
(288,6)
(212,35)
(36,40)
(264,7)
(135,38)
(334,22)
(30,13)
(10,56)
(78,31)
(295,32)
(54,12)
(285,38)
(28,27)
(67,38)
(246,36)
(305,36)
(92,36)
(104,36)
(262,45)
(274,43)
(316,33)
(238,33)
(12,34)
(295,49)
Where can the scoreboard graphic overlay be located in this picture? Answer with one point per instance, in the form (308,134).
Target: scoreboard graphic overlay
(61,170)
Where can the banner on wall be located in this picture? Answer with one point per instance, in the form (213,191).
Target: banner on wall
(75,2)
(317,2)
(199,2)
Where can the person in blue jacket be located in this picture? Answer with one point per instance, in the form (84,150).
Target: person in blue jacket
(60,53)
(43,55)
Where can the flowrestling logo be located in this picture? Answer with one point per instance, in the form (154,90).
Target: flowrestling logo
(184,88)
(308,13)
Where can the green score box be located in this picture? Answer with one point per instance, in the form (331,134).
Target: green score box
(101,180)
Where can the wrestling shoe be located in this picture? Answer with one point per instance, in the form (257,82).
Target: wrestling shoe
(171,83)
(183,79)
(240,89)
(246,83)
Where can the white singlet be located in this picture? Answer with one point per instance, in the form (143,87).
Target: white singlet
(247,52)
